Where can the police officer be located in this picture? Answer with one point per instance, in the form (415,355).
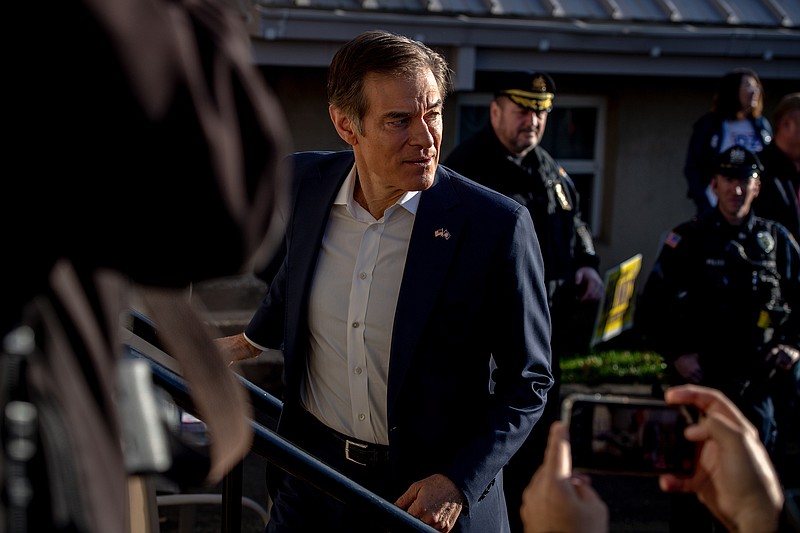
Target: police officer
(506,156)
(721,303)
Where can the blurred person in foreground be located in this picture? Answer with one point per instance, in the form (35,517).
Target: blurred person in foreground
(736,118)
(395,295)
(779,199)
(506,156)
(734,477)
(150,159)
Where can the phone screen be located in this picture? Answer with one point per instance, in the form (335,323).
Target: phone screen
(624,435)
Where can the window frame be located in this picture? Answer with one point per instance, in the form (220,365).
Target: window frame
(594,167)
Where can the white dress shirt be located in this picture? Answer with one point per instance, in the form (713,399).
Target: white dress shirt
(351,313)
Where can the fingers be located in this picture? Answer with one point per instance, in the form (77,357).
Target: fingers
(406,499)
(557,458)
(708,401)
(672,483)
(582,485)
(435,500)
(783,356)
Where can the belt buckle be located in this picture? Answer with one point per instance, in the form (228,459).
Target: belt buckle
(347,445)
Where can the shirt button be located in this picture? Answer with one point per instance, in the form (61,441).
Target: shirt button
(362,416)
(355,324)
(363,275)
(358,371)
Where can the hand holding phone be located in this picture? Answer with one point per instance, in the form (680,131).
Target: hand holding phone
(734,477)
(558,500)
(626,435)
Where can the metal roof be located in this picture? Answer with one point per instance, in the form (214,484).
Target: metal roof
(732,13)
(626,37)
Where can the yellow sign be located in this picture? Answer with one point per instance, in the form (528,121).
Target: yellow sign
(615,313)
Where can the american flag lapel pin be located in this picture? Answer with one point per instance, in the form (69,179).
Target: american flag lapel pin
(442,232)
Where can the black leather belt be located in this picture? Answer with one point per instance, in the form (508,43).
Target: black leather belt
(366,454)
(362,453)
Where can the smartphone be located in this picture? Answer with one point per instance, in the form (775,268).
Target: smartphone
(614,434)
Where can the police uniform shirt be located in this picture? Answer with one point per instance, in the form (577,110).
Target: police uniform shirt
(541,185)
(726,292)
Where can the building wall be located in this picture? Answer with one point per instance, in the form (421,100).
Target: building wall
(645,191)
(650,122)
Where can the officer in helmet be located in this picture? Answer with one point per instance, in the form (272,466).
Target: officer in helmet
(722,306)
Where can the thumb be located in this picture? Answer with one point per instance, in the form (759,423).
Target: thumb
(558,455)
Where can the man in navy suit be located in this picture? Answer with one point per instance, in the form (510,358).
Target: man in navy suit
(410,308)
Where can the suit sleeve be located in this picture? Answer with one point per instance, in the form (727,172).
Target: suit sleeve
(266,327)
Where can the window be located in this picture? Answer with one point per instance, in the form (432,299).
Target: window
(575,137)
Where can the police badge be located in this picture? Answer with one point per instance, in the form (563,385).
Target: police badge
(562,198)
(766,241)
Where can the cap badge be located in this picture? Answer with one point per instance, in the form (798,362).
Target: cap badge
(737,156)
(539,84)
(765,241)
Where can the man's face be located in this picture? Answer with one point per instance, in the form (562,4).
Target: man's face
(519,129)
(735,196)
(402,133)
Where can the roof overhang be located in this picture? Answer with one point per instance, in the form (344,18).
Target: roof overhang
(306,37)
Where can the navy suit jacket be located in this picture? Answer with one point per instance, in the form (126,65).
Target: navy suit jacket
(474,293)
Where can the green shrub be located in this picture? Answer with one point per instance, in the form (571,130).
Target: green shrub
(613,366)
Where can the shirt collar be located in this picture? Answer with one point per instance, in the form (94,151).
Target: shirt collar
(409,201)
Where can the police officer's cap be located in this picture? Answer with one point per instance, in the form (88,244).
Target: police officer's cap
(531,90)
(738,162)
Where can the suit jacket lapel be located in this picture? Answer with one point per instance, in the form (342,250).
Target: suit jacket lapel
(434,239)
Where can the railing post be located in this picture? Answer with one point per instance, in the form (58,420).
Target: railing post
(232,500)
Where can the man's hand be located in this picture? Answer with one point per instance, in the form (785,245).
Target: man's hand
(435,500)
(236,348)
(589,278)
(734,477)
(558,500)
(688,366)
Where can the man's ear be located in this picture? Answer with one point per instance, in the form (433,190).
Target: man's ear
(495,111)
(715,183)
(344,126)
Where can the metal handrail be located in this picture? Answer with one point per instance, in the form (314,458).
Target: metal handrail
(285,455)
